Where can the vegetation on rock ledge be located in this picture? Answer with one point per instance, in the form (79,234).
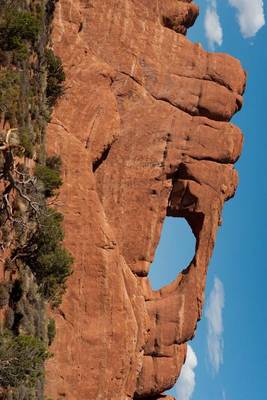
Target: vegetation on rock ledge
(21,360)
(49,175)
(31,80)
(48,260)
(55,78)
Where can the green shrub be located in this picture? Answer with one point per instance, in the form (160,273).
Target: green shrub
(9,92)
(21,54)
(26,142)
(50,232)
(55,78)
(21,360)
(54,162)
(50,261)
(51,330)
(54,269)
(50,178)
(18,27)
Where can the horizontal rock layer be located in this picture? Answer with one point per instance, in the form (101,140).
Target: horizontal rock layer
(144,133)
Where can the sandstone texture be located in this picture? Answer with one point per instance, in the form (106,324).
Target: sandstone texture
(144,133)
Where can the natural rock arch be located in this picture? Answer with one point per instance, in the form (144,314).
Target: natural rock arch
(175,251)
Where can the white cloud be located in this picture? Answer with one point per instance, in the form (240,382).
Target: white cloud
(186,383)
(212,25)
(213,314)
(250,15)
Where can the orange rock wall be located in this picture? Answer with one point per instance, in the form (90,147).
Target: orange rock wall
(143,132)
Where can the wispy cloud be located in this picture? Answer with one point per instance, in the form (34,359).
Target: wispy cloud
(212,25)
(186,383)
(213,314)
(250,15)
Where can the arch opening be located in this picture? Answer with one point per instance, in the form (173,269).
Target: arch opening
(175,251)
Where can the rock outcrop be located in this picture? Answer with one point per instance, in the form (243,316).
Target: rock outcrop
(144,133)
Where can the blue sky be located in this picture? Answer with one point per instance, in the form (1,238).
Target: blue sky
(237,280)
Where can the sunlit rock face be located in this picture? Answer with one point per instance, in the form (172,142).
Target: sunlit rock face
(144,133)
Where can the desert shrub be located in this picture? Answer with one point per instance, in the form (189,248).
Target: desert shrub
(26,142)
(24,317)
(50,232)
(49,177)
(50,261)
(55,78)
(28,306)
(54,162)
(54,269)
(20,393)
(51,330)
(18,27)
(21,360)
(9,91)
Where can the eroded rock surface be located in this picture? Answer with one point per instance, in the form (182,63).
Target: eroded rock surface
(144,133)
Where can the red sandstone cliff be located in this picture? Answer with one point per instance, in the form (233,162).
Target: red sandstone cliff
(144,132)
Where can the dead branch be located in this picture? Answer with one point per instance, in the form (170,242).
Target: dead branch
(17,181)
